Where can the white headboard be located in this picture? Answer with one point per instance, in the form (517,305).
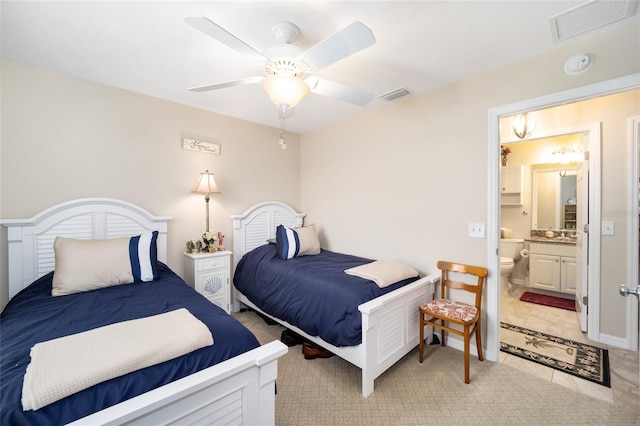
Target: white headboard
(31,240)
(258,223)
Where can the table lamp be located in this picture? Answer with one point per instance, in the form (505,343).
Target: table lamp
(206,185)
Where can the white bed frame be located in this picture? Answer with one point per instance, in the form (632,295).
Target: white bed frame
(240,390)
(390,323)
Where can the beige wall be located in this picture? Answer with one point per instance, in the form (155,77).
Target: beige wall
(64,138)
(404,181)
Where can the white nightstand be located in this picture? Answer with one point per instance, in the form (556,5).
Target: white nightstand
(210,275)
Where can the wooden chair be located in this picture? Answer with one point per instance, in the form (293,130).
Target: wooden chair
(440,311)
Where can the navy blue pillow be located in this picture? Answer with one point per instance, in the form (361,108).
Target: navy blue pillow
(143,254)
(287,242)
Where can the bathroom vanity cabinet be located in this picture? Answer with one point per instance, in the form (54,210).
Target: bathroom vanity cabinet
(553,267)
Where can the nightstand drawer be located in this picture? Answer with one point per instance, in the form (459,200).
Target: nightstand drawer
(213,263)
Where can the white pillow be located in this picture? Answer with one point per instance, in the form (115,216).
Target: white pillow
(383,272)
(83,265)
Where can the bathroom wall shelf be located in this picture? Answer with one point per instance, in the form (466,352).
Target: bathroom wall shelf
(569,216)
(511,185)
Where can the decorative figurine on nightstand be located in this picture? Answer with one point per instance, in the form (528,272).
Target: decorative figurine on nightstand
(209,239)
(220,239)
(190,246)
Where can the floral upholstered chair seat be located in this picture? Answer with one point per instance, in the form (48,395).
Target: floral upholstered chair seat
(451,309)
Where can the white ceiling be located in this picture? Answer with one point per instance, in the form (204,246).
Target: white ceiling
(146,47)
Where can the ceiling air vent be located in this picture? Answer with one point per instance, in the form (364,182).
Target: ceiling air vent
(589,16)
(395,94)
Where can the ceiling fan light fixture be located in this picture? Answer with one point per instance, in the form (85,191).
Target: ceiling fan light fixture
(284,90)
(287,68)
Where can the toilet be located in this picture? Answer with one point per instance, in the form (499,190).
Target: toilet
(509,249)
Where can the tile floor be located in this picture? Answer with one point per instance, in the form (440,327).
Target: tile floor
(625,386)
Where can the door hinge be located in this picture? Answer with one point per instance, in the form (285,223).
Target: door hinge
(585,228)
(586,155)
(585,300)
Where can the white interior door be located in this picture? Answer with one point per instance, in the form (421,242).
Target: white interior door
(582,241)
(631,288)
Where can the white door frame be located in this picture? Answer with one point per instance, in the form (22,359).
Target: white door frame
(585,176)
(493,197)
(633,223)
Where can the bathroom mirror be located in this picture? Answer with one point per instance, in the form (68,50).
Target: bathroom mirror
(553,186)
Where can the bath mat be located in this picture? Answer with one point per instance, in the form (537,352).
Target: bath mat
(543,299)
(578,359)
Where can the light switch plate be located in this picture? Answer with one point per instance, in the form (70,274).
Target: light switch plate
(608,228)
(476,230)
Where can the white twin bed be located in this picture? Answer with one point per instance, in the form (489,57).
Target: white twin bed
(240,389)
(389,322)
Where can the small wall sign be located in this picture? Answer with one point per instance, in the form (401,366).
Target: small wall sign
(201,146)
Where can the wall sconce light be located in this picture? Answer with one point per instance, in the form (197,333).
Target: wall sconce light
(566,155)
(206,185)
(523,125)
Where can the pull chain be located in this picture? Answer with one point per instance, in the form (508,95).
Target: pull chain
(282,141)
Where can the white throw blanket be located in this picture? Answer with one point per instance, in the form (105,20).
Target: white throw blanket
(383,272)
(64,366)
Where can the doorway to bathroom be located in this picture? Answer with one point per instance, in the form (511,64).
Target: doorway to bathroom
(593,92)
(549,215)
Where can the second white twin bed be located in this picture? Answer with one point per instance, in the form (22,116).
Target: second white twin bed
(375,326)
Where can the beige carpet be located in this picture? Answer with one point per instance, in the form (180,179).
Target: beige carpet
(328,392)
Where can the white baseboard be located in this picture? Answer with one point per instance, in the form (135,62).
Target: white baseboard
(459,344)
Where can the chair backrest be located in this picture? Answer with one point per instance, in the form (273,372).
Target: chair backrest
(478,271)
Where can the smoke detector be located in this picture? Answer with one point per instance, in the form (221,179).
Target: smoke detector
(578,63)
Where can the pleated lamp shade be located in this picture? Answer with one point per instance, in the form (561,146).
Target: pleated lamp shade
(206,185)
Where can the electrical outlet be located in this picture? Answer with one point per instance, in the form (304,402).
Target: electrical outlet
(476,230)
(608,228)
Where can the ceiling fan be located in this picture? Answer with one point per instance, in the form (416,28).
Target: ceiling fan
(288,70)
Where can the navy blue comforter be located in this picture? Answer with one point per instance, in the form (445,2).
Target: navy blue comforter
(310,292)
(33,316)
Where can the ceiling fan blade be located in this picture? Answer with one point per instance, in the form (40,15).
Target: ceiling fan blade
(242,81)
(339,91)
(346,42)
(215,31)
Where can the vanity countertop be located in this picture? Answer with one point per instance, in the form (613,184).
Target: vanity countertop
(554,240)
